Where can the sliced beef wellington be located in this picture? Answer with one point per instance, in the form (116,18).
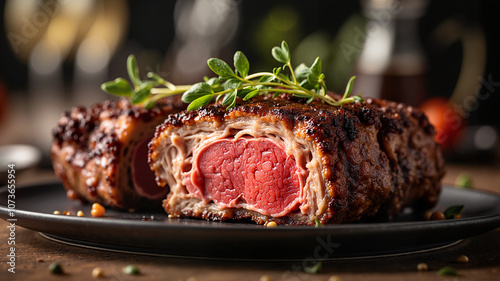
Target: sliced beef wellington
(100,153)
(294,163)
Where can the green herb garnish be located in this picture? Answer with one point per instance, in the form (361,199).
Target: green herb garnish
(303,82)
(56,268)
(448,271)
(131,270)
(453,211)
(314,269)
(464,180)
(142,92)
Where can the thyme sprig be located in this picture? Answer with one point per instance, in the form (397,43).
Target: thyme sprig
(303,82)
(142,91)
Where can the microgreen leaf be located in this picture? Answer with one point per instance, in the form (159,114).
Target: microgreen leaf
(230,98)
(283,77)
(220,68)
(316,67)
(262,87)
(315,77)
(301,95)
(142,93)
(348,88)
(286,50)
(312,79)
(232,83)
(133,71)
(241,64)
(156,77)
(217,98)
(233,103)
(213,82)
(276,71)
(280,55)
(197,90)
(305,84)
(266,79)
(200,101)
(149,104)
(244,91)
(251,95)
(453,211)
(302,71)
(117,87)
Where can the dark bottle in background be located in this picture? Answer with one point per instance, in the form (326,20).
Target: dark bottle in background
(392,64)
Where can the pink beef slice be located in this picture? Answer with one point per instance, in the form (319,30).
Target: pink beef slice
(255,171)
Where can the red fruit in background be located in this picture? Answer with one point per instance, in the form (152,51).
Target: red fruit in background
(445,118)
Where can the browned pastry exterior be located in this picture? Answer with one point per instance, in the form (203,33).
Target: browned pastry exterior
(341,164)
(96,154)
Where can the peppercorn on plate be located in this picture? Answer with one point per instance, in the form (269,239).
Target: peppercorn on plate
(153,233)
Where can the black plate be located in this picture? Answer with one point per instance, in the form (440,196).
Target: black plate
(155,233)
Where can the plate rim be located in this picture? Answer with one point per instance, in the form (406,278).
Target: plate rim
(236,225)
(404,234)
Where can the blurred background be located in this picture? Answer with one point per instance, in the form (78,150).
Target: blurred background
(442,56)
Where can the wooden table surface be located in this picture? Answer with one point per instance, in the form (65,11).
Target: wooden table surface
(35,253)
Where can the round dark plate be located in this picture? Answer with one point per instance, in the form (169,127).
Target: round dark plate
(155,233)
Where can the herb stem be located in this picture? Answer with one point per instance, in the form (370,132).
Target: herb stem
(326,98)
(256,75)
(292,88)
(170,91)
(173,87)
(289,64)
(287,84)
